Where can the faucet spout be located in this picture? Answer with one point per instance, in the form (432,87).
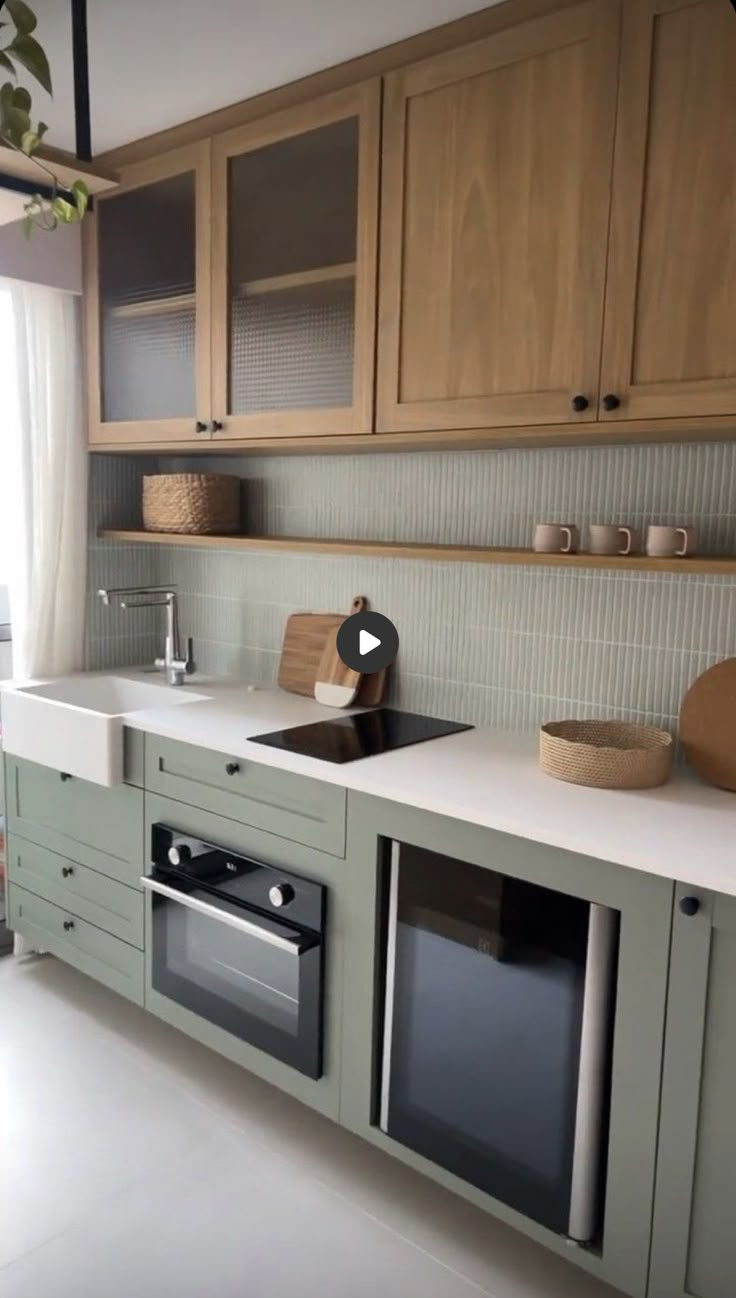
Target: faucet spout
(173,664)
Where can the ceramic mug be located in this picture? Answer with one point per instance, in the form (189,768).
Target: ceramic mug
(670,542)
(609,538)
(556,538)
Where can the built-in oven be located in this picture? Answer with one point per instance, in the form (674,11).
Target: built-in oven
(239,943)
(497,1033)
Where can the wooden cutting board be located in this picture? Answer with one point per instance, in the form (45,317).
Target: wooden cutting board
(708,725)
(337,684)
(305,638)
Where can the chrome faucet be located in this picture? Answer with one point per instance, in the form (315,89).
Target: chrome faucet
(174,666)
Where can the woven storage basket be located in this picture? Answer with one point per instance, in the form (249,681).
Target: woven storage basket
(606,754)
(194,503)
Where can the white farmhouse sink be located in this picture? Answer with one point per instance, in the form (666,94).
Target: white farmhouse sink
(75,724)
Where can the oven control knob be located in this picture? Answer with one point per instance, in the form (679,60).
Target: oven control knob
(180,855)
(282,894)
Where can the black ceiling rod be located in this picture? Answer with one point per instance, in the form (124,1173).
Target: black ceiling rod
(80,53)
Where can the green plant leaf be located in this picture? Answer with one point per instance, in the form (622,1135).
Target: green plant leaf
(26,50)
(14,123)
(64,210)
(28,225)
(30,142)
(6,63)
(22,99)
(81,197)
(22,15)
(7,93)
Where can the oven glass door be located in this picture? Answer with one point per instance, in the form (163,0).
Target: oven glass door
(251,975)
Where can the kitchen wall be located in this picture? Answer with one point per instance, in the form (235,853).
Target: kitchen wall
(505,646)
(56,262)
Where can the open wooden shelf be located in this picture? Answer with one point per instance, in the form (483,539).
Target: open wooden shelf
(299,279)
(718,565)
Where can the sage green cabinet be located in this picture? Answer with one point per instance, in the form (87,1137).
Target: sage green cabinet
(694,1239)
(295,807)
(94,952)
(95,826)
(87,894)
(644,903)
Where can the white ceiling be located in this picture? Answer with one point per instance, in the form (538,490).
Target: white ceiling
(155,63)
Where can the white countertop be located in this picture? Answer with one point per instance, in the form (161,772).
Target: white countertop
(684,831)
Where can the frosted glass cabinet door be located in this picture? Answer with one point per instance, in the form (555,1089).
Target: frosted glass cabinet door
(148,318)
(294,256)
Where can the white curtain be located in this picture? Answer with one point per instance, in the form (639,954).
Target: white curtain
(45,483)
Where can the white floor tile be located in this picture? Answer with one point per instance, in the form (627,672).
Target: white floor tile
(136,1161)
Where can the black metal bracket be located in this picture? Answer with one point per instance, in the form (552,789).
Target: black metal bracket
(80,54)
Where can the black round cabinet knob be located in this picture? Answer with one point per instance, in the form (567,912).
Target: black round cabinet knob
(689,906)
(201,426)
(580,403)
(67,871)
(232,768)
(611,401)
(68,924)
(216,426)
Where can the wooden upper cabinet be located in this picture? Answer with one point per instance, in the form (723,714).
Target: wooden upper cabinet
(147,289)
(295,214)
(670,332)
(496,199)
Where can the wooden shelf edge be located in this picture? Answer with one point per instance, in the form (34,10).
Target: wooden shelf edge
(154,306)
(715,565)
(298,279)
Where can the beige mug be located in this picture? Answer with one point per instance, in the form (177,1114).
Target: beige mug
(609,538)
(556,538)
(670,542)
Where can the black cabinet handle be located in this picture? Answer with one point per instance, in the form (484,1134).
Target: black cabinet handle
(216,426)
(232,768)
(67,871)
(689,906)
(611,401)
(64,776)
(201,426)
(580,403)
(68,924)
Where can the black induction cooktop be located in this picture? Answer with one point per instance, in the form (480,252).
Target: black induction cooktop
(346,739)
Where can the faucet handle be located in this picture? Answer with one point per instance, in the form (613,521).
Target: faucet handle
(190,666)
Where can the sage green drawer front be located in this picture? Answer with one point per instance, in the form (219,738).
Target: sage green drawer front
(106,958)
(98,827)
(94,897)
(292,806)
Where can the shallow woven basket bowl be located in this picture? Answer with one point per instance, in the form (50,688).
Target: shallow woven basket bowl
(197,504)
(606,754)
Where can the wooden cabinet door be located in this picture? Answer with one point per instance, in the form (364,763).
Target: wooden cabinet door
(694,1242)
(670,330)
(496,197)
(147,289)
(295,214)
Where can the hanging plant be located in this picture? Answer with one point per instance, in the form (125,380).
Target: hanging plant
(19,47)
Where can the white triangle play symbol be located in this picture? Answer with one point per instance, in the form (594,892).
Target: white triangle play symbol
(367,643)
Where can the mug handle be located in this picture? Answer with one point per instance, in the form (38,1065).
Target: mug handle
(682,531)
(567,547)
(626,531)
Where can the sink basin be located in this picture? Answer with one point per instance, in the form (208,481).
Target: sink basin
(75,724)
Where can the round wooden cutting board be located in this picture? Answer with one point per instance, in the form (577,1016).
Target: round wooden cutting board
(708,725)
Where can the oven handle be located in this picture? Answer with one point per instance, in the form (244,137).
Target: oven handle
(293,946)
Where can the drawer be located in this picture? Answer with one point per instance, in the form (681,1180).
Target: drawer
(292,806)
(98,827)
(91,896)
(106,958)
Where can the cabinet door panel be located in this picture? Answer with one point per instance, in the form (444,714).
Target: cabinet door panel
(670,333)
(295,219)
(694,1244)
(148,293)
(496,198)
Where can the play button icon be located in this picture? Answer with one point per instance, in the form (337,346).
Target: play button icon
(367,642)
